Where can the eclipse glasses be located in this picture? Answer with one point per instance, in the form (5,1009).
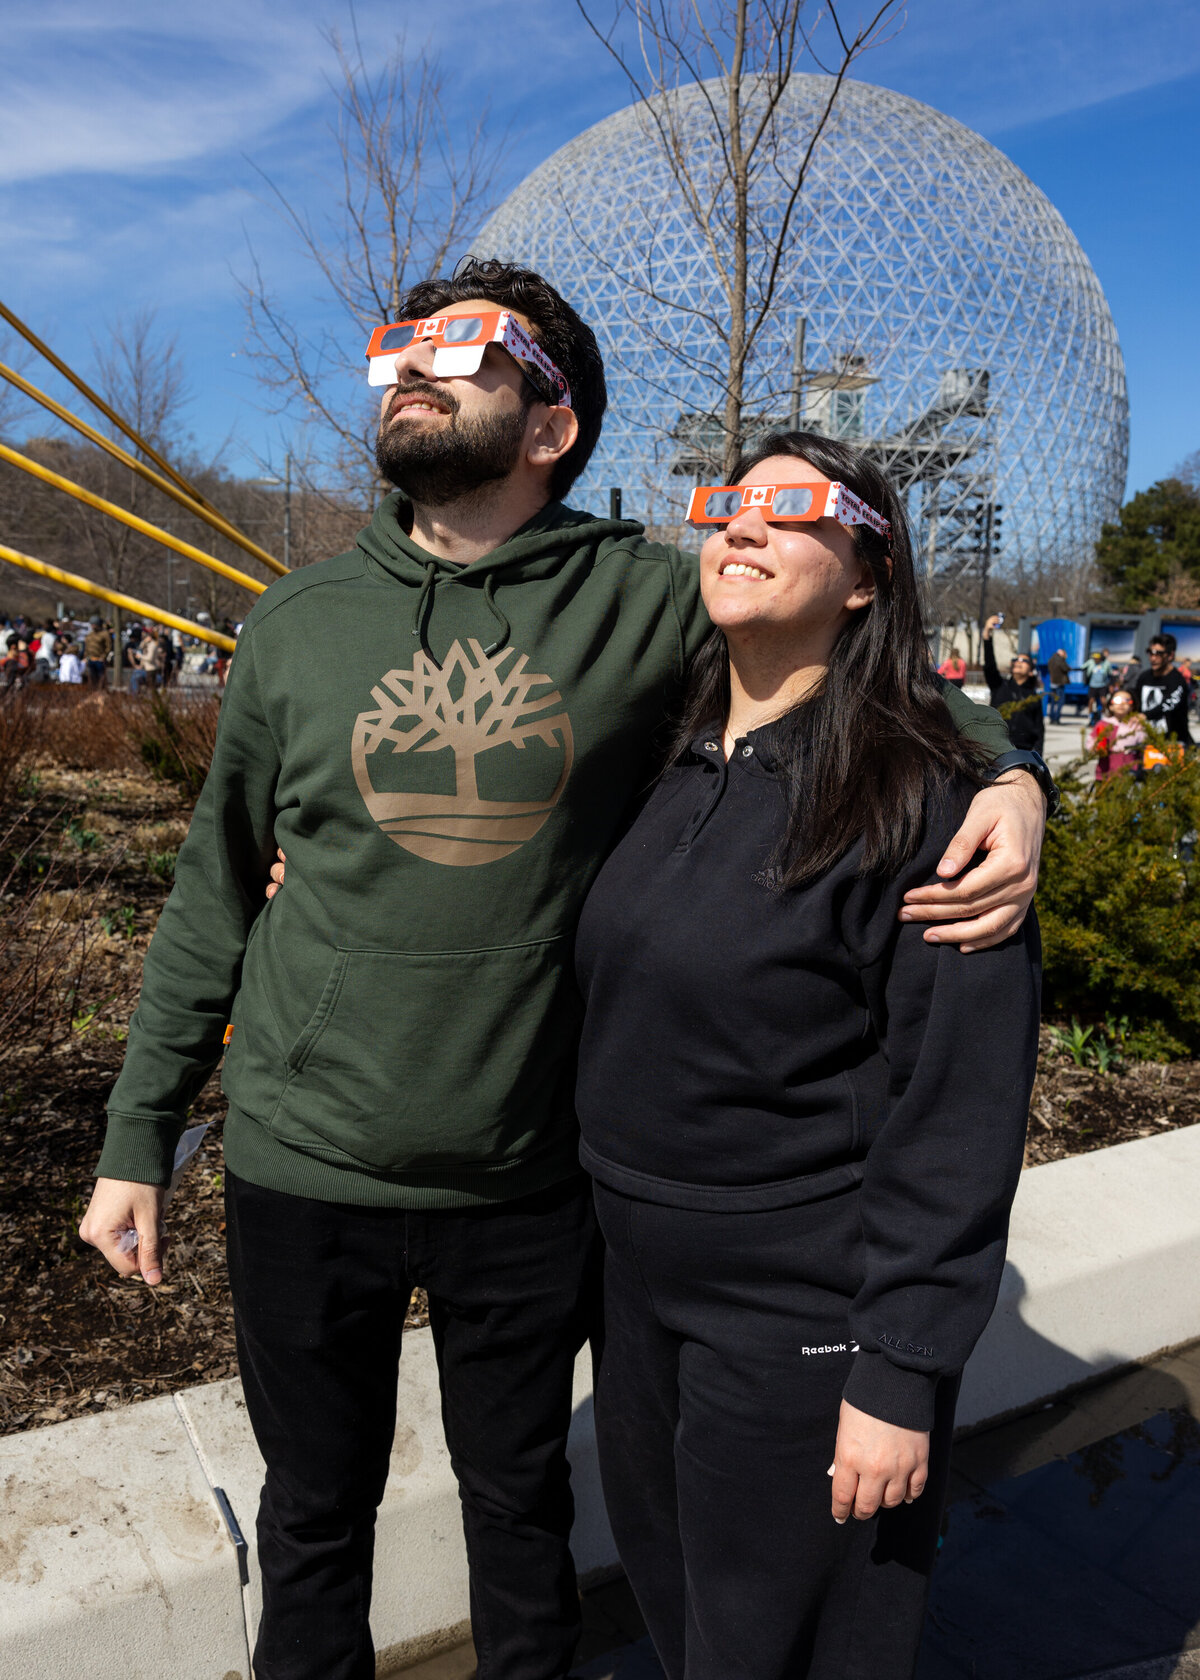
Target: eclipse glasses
(717,504)
(459,342)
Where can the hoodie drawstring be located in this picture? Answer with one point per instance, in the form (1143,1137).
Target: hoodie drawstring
(420,612)
(489,601)
(424,607)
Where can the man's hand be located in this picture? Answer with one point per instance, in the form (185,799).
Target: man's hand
(987,904)
(118,1207)
(277,872)
(876,1463)
(990,626)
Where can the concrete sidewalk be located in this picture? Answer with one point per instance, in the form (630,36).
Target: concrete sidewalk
(1066,742)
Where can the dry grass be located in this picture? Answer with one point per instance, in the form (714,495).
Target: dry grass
(74,728)
(171,733)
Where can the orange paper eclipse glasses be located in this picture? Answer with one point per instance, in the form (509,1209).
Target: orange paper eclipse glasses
(459,342)
(717,504)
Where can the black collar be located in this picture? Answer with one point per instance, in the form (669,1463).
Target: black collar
(708,745)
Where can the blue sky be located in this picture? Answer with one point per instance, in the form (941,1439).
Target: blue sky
(127,153)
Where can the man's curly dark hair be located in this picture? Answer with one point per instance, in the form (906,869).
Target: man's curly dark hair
(565,338)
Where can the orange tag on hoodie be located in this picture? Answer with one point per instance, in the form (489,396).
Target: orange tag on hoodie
(228,1033)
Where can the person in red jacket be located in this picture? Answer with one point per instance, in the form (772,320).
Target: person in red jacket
(954,669)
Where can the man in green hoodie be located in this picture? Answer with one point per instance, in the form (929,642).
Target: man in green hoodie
(404,1015)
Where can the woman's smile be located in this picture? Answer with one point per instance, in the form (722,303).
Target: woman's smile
(743,568)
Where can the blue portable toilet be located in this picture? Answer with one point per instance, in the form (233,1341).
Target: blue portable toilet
(1070,635)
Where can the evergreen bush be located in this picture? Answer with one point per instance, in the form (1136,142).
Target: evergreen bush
(1119,906)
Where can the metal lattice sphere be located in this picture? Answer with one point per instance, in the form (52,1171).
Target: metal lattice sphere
(932,305)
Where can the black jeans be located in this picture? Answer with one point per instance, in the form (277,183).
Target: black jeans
(320,1292)
(717,1399)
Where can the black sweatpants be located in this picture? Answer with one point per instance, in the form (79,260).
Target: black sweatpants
(320,1292)
(726,1349)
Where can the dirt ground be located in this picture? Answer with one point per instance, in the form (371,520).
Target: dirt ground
(74,1338)
(1075,1110)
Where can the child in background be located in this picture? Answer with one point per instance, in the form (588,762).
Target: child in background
(1118,738)
(70,666)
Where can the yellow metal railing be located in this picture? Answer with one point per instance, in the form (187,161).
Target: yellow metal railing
(133,520)
(184,498)
(71,580)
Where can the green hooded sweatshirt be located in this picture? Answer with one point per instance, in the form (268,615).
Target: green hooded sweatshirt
(445,754)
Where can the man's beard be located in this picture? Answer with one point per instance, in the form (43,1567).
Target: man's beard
(436,464)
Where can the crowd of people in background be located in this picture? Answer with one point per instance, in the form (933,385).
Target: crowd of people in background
(1127,704)
(82,653)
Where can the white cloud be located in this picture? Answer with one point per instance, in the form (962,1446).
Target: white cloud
(81,93)
(1000,67)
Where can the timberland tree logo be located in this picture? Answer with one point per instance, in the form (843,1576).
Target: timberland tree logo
(474,705)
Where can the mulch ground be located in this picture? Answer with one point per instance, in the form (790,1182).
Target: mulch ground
(75,1338)
(1077,1109)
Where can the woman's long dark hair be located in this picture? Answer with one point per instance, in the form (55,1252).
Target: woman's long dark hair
(859,755)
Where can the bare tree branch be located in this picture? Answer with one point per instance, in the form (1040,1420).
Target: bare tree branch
(737,57)
(411,191)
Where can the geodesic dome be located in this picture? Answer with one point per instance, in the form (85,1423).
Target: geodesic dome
(932,305)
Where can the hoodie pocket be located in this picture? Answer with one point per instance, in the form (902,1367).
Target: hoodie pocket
(430,1059)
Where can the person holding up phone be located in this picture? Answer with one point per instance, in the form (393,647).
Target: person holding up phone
(1017,697)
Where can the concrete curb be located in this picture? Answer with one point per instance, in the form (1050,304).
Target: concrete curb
(420,1604)
(113,1557)
(1103,1270)
(116,1558)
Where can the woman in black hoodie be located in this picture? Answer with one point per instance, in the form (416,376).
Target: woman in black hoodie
(1018,697)
(804,1119)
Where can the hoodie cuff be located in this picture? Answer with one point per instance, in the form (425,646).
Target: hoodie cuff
(889,1392)
(139,1149)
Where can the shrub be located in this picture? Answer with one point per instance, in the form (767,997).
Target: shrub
(76,728)
(1119,905)
(163,864)
(170,733)
(175,737)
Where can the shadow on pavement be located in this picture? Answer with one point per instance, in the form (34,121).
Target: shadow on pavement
(1072,1543)
(1071,1546)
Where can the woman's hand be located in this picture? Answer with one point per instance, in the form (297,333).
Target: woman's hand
(876,1463)
(277,873)
(987,904)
